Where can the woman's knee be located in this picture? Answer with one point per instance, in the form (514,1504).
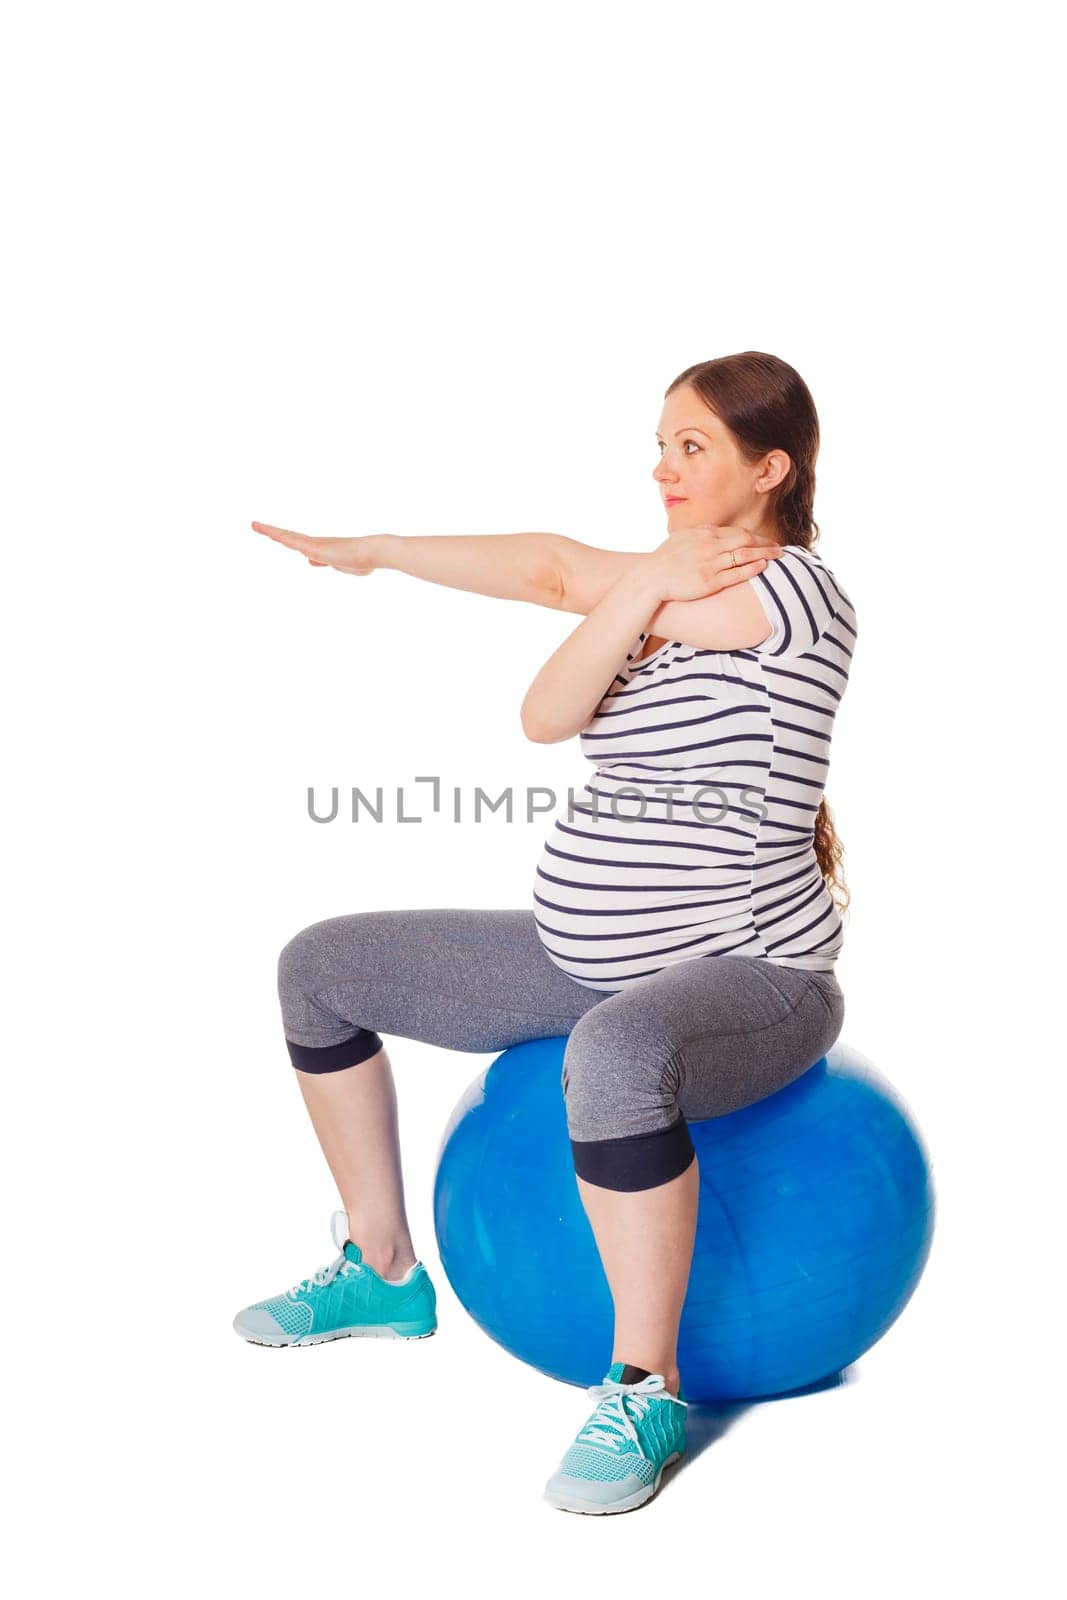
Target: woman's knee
(318,1037)
(625,1128)
(616,1072)
(296,957)
(320,956)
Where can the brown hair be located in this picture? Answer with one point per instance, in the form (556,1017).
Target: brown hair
(767,405)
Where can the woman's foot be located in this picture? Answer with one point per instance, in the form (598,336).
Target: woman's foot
(617,1459)
(346,1299)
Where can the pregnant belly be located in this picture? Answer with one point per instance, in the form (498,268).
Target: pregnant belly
(634,903)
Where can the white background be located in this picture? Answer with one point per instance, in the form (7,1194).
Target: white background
(349,268)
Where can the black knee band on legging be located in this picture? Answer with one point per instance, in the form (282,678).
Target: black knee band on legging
(639,1161)
(334,1057)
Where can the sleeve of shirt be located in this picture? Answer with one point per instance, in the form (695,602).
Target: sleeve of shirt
(800,601)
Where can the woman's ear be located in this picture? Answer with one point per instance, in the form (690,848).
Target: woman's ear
(776,468)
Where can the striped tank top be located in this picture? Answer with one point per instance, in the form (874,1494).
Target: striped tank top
(695,836)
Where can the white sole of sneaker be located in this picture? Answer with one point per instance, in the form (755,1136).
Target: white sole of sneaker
(570,1502)
(283,1343)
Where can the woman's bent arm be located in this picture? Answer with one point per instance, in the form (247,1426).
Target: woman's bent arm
(571,684)
(694,576)
(506,566)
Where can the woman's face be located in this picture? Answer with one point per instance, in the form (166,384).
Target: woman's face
(701,469)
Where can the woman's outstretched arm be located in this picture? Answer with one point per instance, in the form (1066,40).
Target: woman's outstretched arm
(506,566)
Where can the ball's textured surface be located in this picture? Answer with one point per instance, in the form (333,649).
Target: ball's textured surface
(815,1220)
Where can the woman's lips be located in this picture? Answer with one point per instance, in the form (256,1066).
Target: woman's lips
(674,500)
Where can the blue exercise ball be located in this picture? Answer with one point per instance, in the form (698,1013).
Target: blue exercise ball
(814,1223)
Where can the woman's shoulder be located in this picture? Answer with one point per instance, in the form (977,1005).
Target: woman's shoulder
(803,598)
(812,566)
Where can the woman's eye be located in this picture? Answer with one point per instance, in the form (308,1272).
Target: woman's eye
(659,444)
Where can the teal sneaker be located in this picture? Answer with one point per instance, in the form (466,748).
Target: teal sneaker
(346,1299)
(618,1458)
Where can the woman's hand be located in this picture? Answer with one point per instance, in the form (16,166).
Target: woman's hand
(695,562)
(359,556)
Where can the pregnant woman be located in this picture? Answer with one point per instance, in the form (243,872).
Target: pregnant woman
(683,931)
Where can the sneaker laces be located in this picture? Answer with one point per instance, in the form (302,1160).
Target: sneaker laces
(341,1265)
(611,1424)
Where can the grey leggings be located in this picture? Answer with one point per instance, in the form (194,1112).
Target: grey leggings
(695,1040)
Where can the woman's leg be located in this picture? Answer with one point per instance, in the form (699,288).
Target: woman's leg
(645,1242)
(700,1039)
(464,979)
(354,1114)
